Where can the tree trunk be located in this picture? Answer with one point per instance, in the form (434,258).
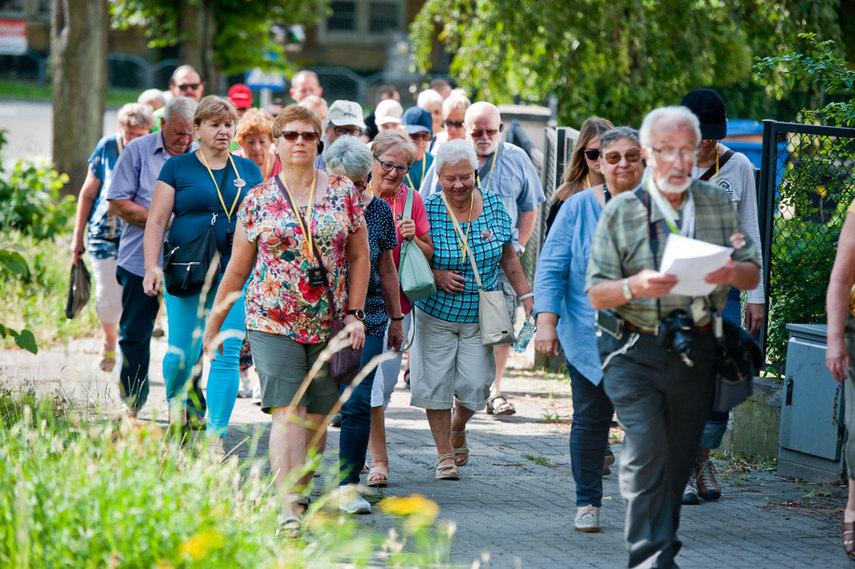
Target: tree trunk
(78,44)
(196,23)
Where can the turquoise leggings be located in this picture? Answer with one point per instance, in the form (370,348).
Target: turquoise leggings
(186,326)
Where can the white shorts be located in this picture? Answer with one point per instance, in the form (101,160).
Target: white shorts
(108,291)
(449,363)
(386,376)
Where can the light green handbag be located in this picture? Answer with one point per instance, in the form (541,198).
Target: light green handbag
(413,269)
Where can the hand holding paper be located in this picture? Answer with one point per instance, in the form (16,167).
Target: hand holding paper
(691,260)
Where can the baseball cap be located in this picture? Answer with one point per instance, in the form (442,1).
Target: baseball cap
(709,108)
(240,96)
(388,111)
(343,113)
(417,119)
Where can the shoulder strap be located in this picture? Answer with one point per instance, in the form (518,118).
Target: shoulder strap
(408,206)
(722,160)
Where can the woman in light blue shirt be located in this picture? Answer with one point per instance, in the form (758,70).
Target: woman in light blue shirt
(566,317)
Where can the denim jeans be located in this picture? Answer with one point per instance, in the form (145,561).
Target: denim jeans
(186,326)
(139,311)
(356,418)
(589,437)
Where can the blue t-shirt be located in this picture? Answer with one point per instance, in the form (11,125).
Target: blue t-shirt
(196,198)
(489,233)
(104,229)
(381,237)
(418,170)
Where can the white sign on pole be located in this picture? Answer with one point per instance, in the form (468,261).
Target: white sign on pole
(257,79)
(13,37)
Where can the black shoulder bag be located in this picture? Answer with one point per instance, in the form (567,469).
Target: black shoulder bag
(185,267)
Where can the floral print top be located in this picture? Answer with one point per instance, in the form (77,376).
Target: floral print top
(279,298)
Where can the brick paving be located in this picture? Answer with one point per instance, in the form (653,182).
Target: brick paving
(518,510)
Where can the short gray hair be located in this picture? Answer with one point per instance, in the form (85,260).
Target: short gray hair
(611,136)
(427,97)
(454,152)
(183,107)
(349,157)
(151,96)
(680,115)
(136,114)
(455,102)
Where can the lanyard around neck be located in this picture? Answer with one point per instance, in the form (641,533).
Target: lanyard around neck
(307,227)
(668,212)
(492,165)
(238,185)
(464,242)
(410,180)
(394,203)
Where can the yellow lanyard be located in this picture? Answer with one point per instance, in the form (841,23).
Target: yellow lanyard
(266,165)
(394,203)
(219,193)
(465,243)
(492,165)
(410,180)
(307,227)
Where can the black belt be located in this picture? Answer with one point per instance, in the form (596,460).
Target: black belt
(633,328)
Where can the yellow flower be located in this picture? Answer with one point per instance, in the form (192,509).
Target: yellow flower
(411,505)
(201,543)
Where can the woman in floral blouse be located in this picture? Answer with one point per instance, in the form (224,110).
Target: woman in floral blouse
(288,312)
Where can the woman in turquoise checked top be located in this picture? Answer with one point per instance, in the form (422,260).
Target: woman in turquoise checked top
(191,189)
(450,366)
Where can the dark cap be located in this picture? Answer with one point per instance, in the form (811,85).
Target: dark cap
(709,108)
(417,119)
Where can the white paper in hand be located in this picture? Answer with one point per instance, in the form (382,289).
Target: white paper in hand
(691,260)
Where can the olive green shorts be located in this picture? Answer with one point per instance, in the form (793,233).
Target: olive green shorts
(282,365)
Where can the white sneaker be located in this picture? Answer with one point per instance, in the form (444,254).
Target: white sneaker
(351,501)
(245,389)
(587,519)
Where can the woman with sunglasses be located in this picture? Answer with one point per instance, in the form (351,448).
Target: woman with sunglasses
(297,233)
(584,169)
(565,317)
(393,153)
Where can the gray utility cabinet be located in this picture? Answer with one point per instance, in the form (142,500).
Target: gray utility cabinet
(810,445)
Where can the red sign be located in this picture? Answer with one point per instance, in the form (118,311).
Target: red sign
(13,37)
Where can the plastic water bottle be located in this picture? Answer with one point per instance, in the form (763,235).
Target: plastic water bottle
(524,336)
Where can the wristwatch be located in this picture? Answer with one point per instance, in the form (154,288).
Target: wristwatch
(627,294)
(358,313)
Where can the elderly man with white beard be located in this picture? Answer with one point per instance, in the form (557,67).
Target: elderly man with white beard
(661,390)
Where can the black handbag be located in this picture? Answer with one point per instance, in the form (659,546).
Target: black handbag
(79,288)
(739,359)
(185,267)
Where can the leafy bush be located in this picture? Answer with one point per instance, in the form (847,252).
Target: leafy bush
(29,198)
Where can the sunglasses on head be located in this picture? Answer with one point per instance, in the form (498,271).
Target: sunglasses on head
(615,157)
(292,135)
(189,86)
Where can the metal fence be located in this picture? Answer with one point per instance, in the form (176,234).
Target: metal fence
(806,184)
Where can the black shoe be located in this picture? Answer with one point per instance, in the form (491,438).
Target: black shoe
(336,421)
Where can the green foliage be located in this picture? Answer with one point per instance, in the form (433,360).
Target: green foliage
(823,69)
(241,37)
(29,198)
(128,496)
(616,59)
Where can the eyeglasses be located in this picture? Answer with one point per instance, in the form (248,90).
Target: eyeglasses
(670,154)
(592,154)
(389,166)
(615,157)
(189,87)
(417,136)
(455,124)
(490,132)
(292,135)
(341,131)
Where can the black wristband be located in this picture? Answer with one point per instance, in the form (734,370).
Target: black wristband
(396,319)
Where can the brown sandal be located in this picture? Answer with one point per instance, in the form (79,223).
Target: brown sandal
(848,529)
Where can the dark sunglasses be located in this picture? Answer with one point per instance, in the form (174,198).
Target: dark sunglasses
(416,136)
(189,86)
(455,124)
(615,157)
(389,166)
(292,135)
(492,132)
(592,154)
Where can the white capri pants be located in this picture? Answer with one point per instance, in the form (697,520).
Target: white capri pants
(449,363)
(108,291)
(386,376)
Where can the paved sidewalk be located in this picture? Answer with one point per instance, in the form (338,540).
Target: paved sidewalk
(515,498)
